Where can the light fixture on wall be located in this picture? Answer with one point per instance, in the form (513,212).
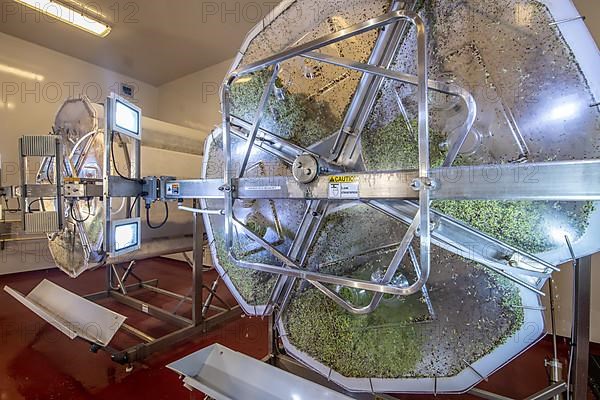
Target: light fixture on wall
(72,15)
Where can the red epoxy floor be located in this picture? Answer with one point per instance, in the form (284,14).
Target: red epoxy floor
(38,362)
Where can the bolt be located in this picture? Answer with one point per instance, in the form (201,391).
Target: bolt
(431,183)
(416,184)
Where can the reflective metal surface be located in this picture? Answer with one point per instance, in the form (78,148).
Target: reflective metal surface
(224,374)
(78,246)
(71,314)
(507,86)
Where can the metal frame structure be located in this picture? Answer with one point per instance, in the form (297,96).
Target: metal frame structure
(566,181)
(199,323)
(117,287)
(412,190)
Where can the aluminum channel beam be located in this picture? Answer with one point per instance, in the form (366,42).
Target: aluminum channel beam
(564,181)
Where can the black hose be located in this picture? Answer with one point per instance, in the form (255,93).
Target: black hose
(86,218)
(162,223)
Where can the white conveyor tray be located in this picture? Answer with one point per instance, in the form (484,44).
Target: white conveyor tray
(71,314)
(224,374)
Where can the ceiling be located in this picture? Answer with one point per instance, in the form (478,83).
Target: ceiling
(155,41)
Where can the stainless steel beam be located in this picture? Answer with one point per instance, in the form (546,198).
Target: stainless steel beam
(581,331)
(141,351)
(258,117)
(197,271)
(151,310)
(305,236)
(441,87)
(456,237)
(267,141)
(566,181)
(194,189)
(103,294)
(482,394)
(384,51)
(37,191)
(137,333)
(119,187)
(552,391)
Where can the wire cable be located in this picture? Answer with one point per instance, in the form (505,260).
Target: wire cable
(137,198)
(40,200)
(162,223)
(114,161)
(50,163)
(86,218)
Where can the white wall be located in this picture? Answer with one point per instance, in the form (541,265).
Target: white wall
(563,297)
(193,100)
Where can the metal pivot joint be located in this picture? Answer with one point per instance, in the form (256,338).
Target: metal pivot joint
(305,168)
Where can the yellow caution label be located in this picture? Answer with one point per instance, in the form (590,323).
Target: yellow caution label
(343,179)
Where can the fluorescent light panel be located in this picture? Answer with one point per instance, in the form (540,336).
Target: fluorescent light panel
(68,15)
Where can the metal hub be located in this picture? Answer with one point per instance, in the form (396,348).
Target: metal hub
(305,168)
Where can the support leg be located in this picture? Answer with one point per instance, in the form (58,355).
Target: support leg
(197,270)
(581,327)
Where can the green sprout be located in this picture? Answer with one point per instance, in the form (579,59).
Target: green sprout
(395,341)
(254,286)
(523,224)
(292,116)
(346,342)
(395,146)
(256,226)
(390,343)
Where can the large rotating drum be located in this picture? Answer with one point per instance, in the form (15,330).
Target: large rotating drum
(78,247)
(512,82)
